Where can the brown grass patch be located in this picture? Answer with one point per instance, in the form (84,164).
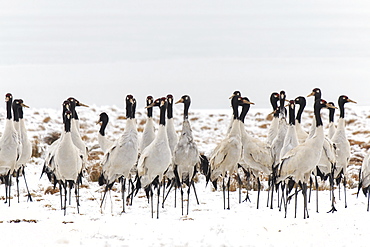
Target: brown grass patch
(50,190)
(140,129)
(51,137)
(269,117)
(122,117)
(350,121)
(46,120)
(205,128)
(194,119)
(263,126)
(361,132)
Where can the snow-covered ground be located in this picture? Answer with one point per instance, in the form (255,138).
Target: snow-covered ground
(42,223)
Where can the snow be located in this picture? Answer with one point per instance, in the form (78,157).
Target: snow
(42,223)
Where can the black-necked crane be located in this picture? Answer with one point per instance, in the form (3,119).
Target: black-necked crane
(155,158)
(256,154)
(122,156)
(290,141)
(343,146)
(227,154)
(186,154)
(149,130)
(301,133)
(26,144)
(49,164)
(68,163)
(104,143)
(170,125)
(9,149)
(299,163)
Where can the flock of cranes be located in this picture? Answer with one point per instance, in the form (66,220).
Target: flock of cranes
(158,161)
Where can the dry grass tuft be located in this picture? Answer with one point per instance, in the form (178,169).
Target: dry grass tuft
(47,120)
(51,190)
(194,119)
(122,117)
(263,126)
(94,172)
(51,137)
(351,121)
(205,128)
(361,132)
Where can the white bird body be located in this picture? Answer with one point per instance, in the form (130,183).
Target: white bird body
(67,159)
(104,143)
(343,148)
(365,172)
(328,157)
(301,133)
(331,130)
(26,144)
(9,148)
(148,134)
(122,156)
(155,159)
(227,154)
(278,142)
(273,130)
(186,154)
(299,162)
(256,154)
(290,140)
(171,134)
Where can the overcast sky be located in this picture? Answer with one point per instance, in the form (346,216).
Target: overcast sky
(99,51)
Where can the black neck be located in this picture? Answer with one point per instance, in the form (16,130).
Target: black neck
(150,111)
(128,109)
(341,110)
(67,124)
(9,109)
(102,128)
(20,112)
(317,110)
(331,115)
(73,109)
(15,112)
(133,110)
(291,114)
(162,117)
(243,114)
(302,105)
(186,110)
(169,110)
(234,104)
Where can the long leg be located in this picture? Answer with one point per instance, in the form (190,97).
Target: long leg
(105,193)
(368,198)
(10,187)
(317,194)
(258,192)
(151,199)
(17,181)
(65,197)
(187,210)
(309,197)
(182,200)
(25,181)
(61,195)
(159,192)
(228,193)
(240,187)
(77,188)
(295,201)
(286,200)
(344,188)
(223,192)
(123,190)
(268,191)
(168,192)
(195,192)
